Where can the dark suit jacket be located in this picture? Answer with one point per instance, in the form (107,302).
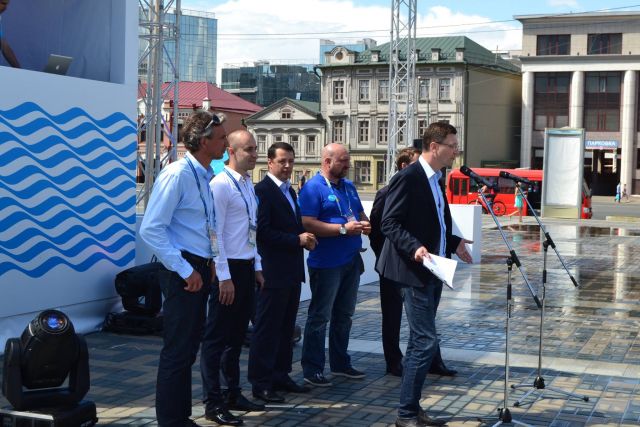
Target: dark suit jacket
(376,238)
(277,236)
(410,220)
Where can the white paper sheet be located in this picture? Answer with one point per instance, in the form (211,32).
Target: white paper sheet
(442,268)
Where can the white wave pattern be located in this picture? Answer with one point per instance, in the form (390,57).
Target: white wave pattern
(65,204)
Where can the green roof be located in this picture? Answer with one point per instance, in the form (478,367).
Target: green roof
(473,54)
(309,105)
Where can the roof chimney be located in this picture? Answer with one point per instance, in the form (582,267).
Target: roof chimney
(435,54)
(206,103)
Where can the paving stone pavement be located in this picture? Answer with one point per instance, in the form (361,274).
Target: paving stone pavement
(591,344)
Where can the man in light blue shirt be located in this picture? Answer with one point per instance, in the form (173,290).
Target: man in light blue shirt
(179,226)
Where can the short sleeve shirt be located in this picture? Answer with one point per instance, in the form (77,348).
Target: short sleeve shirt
(331,205)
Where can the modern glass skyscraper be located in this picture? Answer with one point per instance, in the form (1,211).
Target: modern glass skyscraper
(265,83)
(198,48)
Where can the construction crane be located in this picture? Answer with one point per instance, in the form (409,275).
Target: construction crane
(402,81)
(155,31)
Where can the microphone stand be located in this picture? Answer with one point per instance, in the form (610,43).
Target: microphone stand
(504,415)
(538,383)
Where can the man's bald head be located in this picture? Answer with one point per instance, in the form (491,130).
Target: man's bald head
(335,161)
(242,151)
(332,150)
(238,138)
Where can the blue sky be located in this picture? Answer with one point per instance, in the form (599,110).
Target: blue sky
(290,30)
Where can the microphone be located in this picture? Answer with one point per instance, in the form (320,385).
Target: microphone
(477,178)
(515,178)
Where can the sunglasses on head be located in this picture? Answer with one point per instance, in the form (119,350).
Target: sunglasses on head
(215,121)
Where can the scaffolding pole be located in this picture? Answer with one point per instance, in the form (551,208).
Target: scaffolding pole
(155,31)
(402,81)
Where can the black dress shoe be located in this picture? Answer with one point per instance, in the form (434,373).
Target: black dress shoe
(427,420)
(238,402)
(395,370)
(442,370)
(408,422)
(220,415)
(268,396)
(290,386)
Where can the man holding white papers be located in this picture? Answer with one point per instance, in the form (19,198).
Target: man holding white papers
(417,222)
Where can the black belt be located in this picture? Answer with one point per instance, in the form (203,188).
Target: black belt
(241,261)
(195,259)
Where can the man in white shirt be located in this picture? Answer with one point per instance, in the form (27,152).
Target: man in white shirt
(239,268)
(177,224)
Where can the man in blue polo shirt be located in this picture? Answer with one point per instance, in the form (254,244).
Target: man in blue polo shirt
(332,211)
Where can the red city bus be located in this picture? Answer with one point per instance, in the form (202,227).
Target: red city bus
(462,190)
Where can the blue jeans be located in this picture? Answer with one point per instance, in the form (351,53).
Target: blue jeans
(420,304)
(184,318)
(333,298)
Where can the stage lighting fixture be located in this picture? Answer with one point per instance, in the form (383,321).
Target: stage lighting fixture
(38,363)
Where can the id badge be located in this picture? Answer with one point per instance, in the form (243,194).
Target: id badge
(213,242)
(252,234)
(351,218)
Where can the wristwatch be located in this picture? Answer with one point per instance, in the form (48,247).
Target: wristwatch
(343,230)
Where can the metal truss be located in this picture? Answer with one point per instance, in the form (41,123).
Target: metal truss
(402,81)
(155,30)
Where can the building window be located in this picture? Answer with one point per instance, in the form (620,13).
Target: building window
(363,171)
(294,140)
(286,114)
(338,91)
(603,44)
(602,101)
(311,145)
(278,138)
(402,87)
(553,44)
(381,173)
(263,173)
(551,100)
(383,90)
(363,132)
(422,127)
(363,90)
(445,89)
(338,131)
(262,143)
(383,131)
(401,130)
(423,89)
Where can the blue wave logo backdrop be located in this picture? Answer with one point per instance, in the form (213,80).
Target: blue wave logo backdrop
(67,190)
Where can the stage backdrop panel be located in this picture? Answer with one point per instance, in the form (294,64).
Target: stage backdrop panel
(67,188)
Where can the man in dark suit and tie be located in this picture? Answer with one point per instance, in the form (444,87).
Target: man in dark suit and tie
(416,223)
(281,243)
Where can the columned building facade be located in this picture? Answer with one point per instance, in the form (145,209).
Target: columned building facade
(581,71)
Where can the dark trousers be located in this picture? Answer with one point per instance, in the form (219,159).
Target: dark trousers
(271,352)
(184,317)
(224,334)
(391,307)
(420,305)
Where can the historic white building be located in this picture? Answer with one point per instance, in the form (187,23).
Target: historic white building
(297,122)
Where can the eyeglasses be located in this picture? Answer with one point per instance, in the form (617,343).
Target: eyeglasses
(454,147)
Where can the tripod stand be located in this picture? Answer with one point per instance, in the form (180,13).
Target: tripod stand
(538,383)
(504,415)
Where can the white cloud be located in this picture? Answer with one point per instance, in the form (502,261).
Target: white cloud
(323,16)
(563,3)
